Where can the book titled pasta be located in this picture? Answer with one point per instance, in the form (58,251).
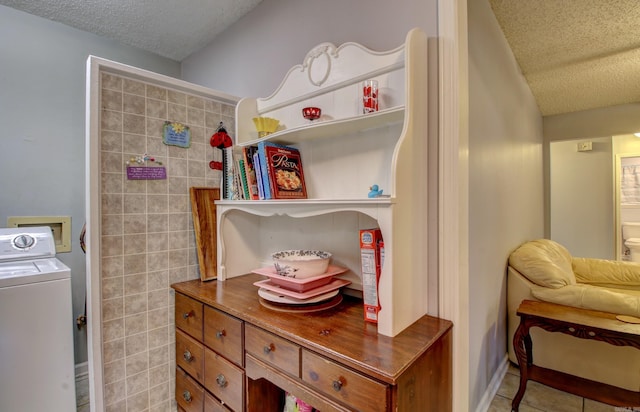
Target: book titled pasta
(284,170)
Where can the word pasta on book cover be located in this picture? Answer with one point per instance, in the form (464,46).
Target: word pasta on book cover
(284,167)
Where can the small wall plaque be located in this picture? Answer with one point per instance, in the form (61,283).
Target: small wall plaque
(145,167)
(146,172)
(176,134)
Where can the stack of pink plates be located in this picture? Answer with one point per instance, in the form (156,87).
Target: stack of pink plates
(286,290)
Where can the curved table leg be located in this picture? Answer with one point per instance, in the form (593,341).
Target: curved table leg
(523,347)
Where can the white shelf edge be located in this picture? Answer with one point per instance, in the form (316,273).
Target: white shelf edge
(308,202)
(319,128)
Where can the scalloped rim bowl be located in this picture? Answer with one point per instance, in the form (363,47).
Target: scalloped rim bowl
(300,263)
(311,113)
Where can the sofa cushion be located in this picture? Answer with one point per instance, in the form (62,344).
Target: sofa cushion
(592,297)
(544,262)
(607,273)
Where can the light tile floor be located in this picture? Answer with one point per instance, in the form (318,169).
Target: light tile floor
(82,394)
(541,398)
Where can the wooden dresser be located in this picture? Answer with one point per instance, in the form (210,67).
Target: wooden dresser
(232,353)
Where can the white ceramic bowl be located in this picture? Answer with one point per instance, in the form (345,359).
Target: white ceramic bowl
(301,264)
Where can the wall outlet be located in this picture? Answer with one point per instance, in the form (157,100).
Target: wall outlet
(585,146)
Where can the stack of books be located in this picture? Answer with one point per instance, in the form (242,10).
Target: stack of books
(267,171)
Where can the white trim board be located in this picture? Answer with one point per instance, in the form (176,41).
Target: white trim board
(494,385)
(453,230)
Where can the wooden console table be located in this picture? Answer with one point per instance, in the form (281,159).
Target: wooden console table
(234,354)
(583,324)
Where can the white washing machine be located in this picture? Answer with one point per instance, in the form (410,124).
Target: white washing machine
(36,324)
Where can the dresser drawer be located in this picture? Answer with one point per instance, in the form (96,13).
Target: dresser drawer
(189,395)
(224,379)
(223,334)
(211,404)
(189,315)
(345,385)
(190,355)
(272,349)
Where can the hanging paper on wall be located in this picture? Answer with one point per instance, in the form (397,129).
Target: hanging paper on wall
(176,134)
(145,168)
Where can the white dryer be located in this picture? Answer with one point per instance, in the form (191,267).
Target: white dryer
(36,324)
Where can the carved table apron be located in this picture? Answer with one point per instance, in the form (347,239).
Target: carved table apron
(583,324)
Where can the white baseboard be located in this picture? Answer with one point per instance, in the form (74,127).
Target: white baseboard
(82,370)
(494,385)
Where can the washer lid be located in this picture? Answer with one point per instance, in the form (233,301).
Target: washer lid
(32,271)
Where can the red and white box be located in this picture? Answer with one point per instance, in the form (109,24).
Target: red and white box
(371,260)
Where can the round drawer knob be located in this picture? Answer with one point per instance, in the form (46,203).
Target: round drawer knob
(187,356)
(268,349)
(187,396)
(221,381)
(337,385)
(221,333)
(187,315)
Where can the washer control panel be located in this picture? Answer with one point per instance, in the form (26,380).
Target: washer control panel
(18,243)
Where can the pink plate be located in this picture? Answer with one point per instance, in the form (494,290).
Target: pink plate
(333,285)
(300,285)
(280,298)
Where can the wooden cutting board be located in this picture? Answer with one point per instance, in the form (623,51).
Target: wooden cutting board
(203,209)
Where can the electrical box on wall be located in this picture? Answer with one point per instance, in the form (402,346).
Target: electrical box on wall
(585,146)
(60,227)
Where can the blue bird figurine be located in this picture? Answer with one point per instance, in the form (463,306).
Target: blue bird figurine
(374,191)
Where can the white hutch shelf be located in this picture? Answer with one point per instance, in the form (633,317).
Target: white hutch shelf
(343,154)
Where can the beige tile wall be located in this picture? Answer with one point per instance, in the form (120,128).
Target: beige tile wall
(147,239)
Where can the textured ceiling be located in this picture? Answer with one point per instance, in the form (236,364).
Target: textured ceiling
(169,28)
(575,54)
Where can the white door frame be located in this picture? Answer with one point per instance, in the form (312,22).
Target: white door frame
(453,140)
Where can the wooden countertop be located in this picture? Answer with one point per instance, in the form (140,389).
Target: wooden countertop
(339,333)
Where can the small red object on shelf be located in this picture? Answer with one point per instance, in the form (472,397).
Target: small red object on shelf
(311,113)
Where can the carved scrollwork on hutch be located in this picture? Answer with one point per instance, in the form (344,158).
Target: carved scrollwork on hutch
(322,55)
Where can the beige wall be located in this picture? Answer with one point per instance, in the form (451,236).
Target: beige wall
(581,197)
(251,57)
(42,101)
(505,189)
(147,240)
(606,121)
(582,194)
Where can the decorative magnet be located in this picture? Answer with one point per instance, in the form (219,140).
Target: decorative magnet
(176,134)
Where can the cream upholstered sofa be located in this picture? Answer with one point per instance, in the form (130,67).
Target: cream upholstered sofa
(545,270)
